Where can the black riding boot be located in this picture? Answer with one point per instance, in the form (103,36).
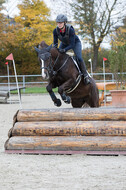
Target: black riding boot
(84,72)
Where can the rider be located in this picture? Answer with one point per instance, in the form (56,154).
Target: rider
(69,40)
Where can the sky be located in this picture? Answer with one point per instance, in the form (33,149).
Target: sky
(59,8)
(11,7)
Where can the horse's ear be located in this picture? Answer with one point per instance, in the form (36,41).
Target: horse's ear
(40,51)
(49,47)
(37,49)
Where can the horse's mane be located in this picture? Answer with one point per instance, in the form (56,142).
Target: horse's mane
(55,52)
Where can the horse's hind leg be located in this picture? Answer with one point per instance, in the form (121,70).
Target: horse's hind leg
(56,101)
(65,98)
(93,100)
(62,88)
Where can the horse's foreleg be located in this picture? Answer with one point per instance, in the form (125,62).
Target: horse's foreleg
(56,101)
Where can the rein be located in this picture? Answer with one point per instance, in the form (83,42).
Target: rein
(52,72)
(63,64)
(50,67)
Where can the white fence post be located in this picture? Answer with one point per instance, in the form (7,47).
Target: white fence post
(23,82)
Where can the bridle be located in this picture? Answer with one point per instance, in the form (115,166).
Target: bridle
(50,67)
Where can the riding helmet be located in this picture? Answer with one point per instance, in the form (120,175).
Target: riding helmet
(61,18)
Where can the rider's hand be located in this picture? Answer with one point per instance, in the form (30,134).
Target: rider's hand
(62,50)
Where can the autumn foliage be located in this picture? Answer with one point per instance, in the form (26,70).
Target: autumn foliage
(20,35)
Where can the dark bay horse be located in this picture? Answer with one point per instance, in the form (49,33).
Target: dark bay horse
(63,73)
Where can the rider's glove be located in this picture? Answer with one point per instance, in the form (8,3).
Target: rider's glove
(62,50)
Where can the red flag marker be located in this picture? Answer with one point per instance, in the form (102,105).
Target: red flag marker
(105,59)
(6,63)
(10,57)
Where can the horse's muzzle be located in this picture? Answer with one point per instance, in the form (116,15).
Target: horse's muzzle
(45,76)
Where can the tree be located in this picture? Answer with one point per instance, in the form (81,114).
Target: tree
(117,55)
(2,37)
(35,25)
(2,20)
(25,31)
(117,59)
(96,19)
(118,38)
(1,2)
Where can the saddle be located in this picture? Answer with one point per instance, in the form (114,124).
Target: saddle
(75,60)
(78,79)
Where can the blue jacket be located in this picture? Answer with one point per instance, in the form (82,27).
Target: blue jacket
(68,38)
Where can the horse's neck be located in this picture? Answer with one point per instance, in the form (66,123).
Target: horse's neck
(54,53)
(57,58)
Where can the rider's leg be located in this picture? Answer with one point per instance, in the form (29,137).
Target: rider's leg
(78,52)
(84,72)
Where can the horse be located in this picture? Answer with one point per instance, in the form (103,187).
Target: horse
(63,72)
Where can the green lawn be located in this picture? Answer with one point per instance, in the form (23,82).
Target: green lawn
(35,90)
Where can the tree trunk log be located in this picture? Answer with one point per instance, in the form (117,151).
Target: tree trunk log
(71,143)
(77,114)
(68,131)
(69,128)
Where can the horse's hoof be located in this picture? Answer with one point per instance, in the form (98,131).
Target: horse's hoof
(68,100)
(58,103)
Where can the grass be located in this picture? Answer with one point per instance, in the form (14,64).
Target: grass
(33,90)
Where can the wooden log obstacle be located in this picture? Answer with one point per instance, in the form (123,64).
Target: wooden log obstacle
(99,131)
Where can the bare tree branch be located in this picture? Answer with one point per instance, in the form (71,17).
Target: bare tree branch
(96,19)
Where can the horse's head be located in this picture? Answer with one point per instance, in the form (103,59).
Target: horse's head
(47,57)
(44,55)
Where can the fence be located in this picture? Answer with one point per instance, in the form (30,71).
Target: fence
(26,80)
(23,80)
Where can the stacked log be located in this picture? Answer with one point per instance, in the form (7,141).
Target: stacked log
(68,131)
